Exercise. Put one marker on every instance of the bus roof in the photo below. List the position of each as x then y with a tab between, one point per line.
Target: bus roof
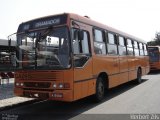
82	19
100	25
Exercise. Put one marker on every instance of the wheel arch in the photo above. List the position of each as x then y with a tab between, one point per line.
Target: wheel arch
139	68
105	78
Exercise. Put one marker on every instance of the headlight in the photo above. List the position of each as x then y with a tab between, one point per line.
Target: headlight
22	84
60	85
54	85
17	84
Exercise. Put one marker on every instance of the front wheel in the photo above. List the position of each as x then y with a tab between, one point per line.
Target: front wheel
100	90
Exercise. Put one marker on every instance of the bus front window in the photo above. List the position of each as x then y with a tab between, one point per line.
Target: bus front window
47	49
153	54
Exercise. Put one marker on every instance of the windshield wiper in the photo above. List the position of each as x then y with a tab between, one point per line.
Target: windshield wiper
43	35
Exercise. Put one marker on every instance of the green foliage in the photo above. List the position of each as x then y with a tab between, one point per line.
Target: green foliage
155	41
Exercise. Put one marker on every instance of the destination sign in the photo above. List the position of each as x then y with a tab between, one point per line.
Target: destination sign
47	22
43	22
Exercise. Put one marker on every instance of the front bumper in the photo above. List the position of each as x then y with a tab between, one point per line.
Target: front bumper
57	95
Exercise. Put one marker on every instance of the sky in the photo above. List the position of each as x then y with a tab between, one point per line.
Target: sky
140	18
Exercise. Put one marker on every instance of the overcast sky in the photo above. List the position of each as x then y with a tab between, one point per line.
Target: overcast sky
140	18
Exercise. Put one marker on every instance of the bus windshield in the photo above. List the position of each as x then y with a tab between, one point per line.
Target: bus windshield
153	54
44	49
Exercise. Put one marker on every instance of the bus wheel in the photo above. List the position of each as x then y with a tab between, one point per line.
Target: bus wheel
100	90
139	76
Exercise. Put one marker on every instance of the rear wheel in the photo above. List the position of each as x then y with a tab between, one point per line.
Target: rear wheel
100	90
139	76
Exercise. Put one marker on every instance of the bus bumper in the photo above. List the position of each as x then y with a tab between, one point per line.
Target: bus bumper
57	95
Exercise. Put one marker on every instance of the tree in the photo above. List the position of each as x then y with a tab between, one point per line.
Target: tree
156	40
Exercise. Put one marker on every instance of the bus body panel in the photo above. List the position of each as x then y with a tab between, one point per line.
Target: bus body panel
83	81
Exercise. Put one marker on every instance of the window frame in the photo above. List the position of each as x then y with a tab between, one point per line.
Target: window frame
99	42
80	42
141	49
136	48
130	47
111	44
121	46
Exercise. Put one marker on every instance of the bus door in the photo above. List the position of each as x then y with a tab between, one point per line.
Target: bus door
82	63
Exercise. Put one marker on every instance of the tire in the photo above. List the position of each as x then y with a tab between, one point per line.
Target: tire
139	76
100	90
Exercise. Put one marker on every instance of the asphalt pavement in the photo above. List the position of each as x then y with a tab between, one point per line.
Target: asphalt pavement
122	102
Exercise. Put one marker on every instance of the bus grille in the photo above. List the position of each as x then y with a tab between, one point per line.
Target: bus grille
39	75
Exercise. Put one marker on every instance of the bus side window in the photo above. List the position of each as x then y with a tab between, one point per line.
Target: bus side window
141	49
129	47
81	48
145	49
99	44
136	49
112	44
121	46
75	41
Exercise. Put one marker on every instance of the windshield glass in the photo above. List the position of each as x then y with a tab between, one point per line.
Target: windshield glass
45	49
153	54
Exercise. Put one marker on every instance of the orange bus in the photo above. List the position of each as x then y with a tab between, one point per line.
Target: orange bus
154	57
67	57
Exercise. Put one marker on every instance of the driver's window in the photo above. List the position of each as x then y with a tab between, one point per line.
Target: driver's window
76	42
80	48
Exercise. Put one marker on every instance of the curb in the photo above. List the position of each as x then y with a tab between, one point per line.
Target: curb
18	105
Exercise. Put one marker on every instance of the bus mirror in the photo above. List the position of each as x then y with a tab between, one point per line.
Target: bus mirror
80	35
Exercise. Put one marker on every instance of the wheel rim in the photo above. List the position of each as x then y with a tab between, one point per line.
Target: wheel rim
139	76
100	90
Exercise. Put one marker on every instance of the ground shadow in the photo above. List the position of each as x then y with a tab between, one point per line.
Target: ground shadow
154	72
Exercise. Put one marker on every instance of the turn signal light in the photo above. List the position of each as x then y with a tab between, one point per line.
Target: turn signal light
19	84
61	85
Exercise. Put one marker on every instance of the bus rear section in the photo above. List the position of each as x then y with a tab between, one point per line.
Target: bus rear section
154	57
